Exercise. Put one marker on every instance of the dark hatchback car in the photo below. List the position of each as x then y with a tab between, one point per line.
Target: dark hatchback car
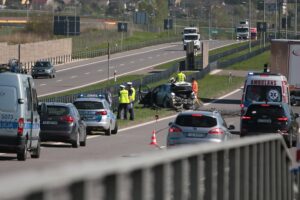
61	122
270	117
44	69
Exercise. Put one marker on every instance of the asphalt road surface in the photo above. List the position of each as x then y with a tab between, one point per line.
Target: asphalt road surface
86	72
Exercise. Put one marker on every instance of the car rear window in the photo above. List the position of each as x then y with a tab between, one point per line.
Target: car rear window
57	110
196	121
263	93
268	110
88	105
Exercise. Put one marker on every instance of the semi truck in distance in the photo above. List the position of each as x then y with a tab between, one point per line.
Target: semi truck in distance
285	59
242	30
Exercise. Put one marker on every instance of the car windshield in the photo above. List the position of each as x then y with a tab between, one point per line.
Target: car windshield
57	110
265	110
88	105
242	30
189	31
263	93
41	64
191	37
196	121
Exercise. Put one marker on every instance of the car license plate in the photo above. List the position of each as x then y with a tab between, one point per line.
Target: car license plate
50	122
195	134
267	121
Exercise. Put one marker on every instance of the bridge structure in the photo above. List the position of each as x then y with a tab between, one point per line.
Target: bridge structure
254	168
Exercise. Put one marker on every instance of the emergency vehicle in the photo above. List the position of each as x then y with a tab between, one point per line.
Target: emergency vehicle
264	87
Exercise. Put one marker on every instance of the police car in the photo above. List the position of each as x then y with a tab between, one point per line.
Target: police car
95	110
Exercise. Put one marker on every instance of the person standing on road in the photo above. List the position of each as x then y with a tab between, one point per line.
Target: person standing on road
131	95
195	90
123	102
180	76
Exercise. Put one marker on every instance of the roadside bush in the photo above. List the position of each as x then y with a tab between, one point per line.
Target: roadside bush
40	25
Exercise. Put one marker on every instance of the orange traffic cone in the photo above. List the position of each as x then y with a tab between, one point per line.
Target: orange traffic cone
153	138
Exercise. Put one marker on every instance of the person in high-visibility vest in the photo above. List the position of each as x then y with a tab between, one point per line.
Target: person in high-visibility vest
180	76
123	102
131	95
195	90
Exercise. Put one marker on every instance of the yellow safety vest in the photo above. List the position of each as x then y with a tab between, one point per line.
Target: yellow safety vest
132	97
123	97
180	77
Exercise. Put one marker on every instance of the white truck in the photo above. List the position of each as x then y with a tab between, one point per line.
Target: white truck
285	59
195	37
242	30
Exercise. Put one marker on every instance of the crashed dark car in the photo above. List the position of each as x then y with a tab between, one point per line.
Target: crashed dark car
177	95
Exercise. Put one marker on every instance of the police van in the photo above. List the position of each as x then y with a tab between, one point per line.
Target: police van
264	87
19	119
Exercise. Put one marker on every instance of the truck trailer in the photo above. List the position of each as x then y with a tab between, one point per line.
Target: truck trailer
285	59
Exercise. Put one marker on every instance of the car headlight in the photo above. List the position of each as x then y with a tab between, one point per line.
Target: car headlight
48	70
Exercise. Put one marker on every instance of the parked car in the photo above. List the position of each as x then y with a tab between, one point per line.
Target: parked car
97	113
178	96
43	68
271	117
61	122
198	127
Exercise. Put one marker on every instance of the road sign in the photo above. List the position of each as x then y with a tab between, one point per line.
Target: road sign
122	27
214	31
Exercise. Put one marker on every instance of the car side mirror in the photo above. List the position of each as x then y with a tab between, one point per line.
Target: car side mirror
296	115
231	127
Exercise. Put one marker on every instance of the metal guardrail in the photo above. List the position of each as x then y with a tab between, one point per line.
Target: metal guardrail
255	168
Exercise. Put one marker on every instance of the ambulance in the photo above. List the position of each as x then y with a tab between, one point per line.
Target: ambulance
264	87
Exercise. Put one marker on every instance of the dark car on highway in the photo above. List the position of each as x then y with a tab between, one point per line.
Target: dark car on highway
271	117
199	127
61	122
43	69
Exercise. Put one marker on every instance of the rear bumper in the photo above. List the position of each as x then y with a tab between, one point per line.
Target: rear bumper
57	136
175	142
97	125
11	144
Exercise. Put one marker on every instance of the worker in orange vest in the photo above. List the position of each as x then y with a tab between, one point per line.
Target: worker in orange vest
195	90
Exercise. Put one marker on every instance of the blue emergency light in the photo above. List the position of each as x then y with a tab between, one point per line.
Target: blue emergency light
101	96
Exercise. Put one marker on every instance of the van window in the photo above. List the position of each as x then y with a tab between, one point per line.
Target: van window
35	99
57	110
88	105
196	121
8	99
191	37
263	93
29	100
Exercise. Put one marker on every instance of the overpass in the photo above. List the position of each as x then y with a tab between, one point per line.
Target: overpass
254	168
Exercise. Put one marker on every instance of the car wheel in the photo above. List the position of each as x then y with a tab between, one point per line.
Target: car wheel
75	143
21	156
115	131
83	143
37	151
108	132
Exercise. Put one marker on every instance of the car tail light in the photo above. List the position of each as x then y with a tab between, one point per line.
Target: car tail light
242	105
21	126
264	105
246	118
264	75
282	119
101	112
175	129
67	118
216	131
196	115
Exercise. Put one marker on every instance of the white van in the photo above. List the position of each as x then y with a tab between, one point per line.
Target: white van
19	118
265	87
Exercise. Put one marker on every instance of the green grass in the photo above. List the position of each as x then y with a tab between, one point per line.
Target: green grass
240	53
254	64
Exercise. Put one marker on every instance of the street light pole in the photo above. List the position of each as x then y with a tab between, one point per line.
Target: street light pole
249	25
264	22
296	19
209	23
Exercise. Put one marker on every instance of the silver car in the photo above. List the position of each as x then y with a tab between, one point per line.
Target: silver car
97	113
198	126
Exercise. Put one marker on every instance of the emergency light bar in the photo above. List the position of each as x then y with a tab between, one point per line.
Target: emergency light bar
101	96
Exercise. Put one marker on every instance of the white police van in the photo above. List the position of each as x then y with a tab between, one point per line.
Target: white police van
264	87
19	119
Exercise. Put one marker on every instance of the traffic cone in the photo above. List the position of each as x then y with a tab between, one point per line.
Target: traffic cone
153	138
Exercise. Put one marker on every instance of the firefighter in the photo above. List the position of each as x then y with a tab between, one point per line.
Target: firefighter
131	95
123	102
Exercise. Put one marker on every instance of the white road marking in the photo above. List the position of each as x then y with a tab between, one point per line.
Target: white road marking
92	136
141	59
87	73
130	72
43	84
74	76
132	62
157	55
215	71
122	64
150	57
99	70
59	80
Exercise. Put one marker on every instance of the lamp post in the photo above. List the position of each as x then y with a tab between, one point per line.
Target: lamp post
296	20
249	25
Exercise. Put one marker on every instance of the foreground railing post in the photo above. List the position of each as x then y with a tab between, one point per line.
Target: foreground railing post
180	184
195	176
244	172
273	177
260	174
210	170
160	182
279	183
234	174
267	171
253	172
223	175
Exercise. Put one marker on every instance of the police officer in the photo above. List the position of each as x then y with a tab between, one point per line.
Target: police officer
180	76
123	102
131	95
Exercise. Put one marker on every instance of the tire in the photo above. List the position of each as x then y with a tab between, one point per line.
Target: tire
75	143
108	131
115	131
21	156
37	151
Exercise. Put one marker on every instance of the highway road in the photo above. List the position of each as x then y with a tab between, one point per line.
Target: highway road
86	72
